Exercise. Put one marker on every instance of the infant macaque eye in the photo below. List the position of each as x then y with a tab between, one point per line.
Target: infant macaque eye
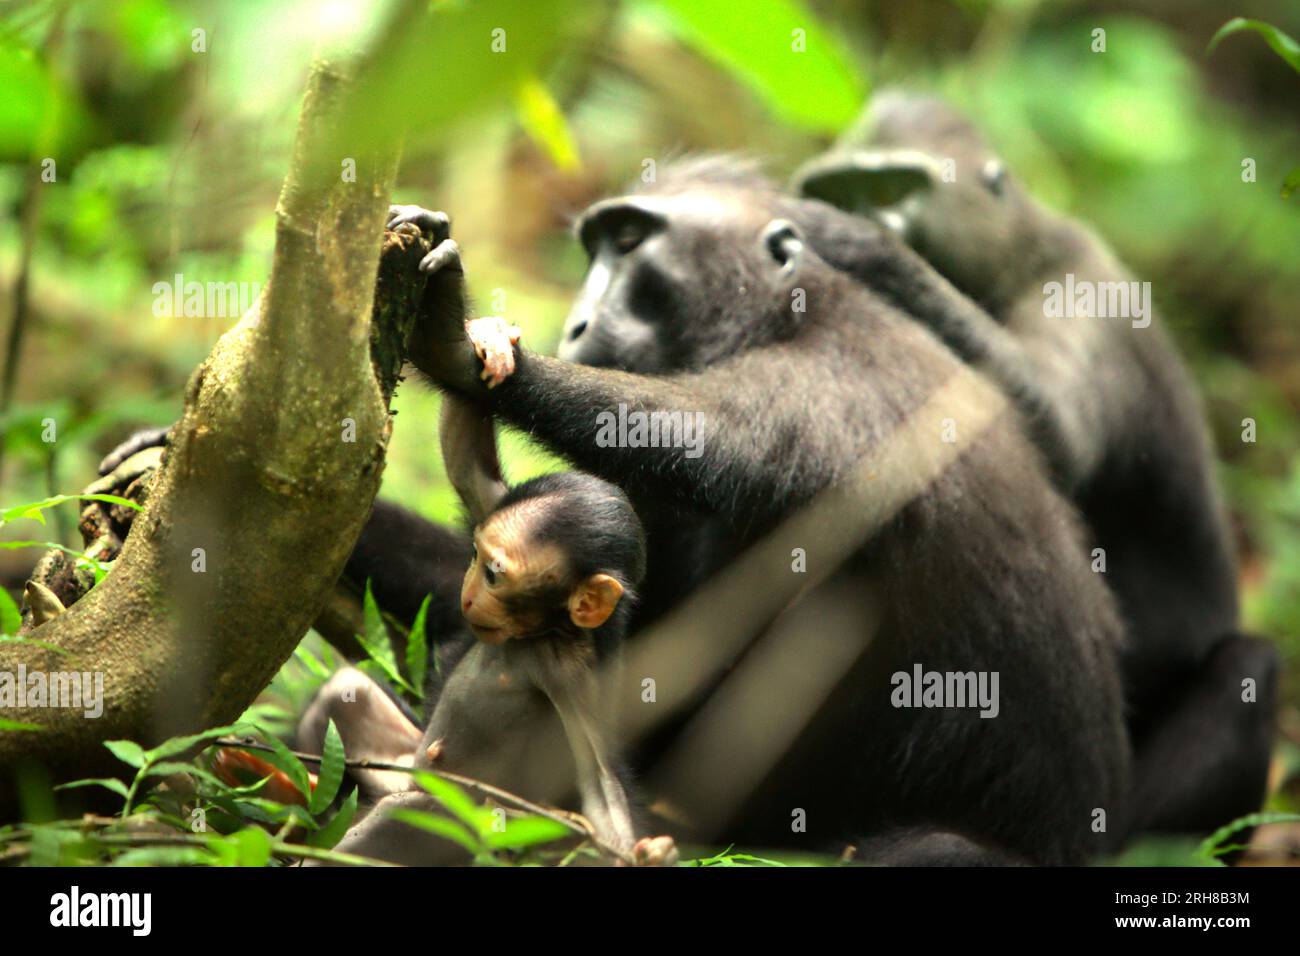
491	570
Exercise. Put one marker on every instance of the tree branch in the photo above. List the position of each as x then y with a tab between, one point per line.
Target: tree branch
265	486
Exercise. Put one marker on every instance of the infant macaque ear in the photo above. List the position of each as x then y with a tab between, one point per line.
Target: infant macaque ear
594	600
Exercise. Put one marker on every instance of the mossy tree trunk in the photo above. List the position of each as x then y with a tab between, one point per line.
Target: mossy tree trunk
266	485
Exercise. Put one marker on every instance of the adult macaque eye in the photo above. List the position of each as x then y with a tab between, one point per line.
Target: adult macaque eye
627	237
489	574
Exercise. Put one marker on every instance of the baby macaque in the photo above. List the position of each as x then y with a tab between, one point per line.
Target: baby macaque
546	597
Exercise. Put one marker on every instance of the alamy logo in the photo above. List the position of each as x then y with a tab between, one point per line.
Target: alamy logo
73	689
103	909
209	300
1081	298
651	430
957	689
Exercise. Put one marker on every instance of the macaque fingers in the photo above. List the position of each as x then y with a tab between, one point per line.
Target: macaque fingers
494	340
437	224
445	255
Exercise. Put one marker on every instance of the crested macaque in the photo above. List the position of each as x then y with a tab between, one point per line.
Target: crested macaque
1114	410
704	296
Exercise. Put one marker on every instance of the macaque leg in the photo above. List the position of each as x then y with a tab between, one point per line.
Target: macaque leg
371	725
380	837
604	798
1205	761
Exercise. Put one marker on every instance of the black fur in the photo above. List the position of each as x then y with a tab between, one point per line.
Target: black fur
982	570
1113	408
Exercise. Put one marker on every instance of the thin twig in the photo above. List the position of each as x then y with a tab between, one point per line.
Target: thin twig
186	839
567	818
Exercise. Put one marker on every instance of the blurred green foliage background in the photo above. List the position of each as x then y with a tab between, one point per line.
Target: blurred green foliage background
169	161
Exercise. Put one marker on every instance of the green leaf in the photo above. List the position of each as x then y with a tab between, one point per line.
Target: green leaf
331	770
282	758
178	745
11	618
329	835
168	767
311	662
35	509
253	846
1282	45
781	51
375	642
451	796
525	832
417	648
165	856
127	751
441	826
47	846
727	858
483	50
1291	183
270	811
108	783
7	724
1210	846
27	641
544	122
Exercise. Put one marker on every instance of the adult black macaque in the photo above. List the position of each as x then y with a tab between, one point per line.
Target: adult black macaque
1114	410
693	304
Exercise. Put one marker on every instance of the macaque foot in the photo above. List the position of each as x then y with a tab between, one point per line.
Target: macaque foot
655	851
494	342
446	252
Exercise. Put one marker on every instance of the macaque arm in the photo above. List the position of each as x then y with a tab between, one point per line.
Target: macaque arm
885	264
604	799
469	443
469	452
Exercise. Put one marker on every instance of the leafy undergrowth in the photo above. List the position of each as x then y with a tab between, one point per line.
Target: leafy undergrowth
176	808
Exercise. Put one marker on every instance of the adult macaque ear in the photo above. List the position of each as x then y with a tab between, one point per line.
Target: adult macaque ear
784	243
594	600
864	182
